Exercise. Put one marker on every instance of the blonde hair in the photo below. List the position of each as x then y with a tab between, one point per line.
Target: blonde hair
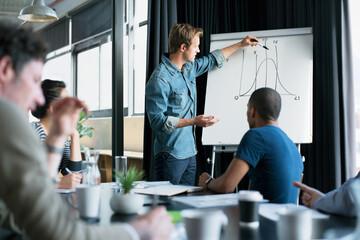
182	33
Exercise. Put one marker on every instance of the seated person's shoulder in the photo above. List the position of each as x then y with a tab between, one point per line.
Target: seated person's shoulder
13	120
9	110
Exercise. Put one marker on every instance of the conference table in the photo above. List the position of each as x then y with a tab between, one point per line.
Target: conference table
266	230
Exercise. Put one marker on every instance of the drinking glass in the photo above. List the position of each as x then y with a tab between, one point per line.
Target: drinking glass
90	167
120	167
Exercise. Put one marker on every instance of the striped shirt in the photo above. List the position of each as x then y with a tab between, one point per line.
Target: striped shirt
65	160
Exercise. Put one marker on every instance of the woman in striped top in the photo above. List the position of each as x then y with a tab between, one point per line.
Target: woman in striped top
71	159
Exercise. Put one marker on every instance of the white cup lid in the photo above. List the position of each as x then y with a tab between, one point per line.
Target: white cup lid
250	195
200	213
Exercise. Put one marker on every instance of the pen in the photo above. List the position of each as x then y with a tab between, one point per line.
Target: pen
211	118
71	172
260	44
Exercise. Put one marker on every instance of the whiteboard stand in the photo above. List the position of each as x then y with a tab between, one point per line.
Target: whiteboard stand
212	162
220	149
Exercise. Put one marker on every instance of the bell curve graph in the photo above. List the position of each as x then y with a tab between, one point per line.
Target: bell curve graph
260	64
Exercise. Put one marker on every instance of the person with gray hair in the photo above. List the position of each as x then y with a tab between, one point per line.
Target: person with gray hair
342	200
29	204
265	152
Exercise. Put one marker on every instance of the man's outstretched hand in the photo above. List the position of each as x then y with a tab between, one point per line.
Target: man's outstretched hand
310	195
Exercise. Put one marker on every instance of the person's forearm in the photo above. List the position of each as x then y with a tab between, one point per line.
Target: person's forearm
231	49
227	182
53	158
75	153
220	186
185	122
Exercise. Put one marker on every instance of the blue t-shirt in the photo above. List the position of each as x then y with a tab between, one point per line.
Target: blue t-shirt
275	162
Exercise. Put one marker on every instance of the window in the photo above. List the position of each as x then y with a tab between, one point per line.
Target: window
85	64
106	76
354	7
88	78
89	75
135	43
94	77
59	68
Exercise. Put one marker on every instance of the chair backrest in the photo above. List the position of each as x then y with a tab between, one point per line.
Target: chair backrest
301	180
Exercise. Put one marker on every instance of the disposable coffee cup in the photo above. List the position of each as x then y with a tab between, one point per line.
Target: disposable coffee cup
201	224
294	224
249	208
88	202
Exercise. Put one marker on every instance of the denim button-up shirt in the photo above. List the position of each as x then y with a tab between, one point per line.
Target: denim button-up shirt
170	96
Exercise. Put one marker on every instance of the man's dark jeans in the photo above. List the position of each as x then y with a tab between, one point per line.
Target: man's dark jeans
177	171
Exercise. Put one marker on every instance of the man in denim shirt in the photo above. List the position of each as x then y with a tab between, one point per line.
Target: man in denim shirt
171	102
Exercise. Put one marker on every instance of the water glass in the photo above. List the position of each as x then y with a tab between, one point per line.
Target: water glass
120	167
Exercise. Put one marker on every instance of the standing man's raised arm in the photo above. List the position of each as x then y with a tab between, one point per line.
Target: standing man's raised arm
227	51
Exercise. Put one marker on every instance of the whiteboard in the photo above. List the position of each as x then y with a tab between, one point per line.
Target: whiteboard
286	67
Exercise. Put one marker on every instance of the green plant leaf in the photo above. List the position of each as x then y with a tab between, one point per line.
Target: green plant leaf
84	130
132	175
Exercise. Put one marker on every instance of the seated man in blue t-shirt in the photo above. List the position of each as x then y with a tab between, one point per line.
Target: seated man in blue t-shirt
265	151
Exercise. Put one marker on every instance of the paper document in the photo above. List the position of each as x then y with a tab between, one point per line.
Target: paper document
146	184
271	211
167	190
217	200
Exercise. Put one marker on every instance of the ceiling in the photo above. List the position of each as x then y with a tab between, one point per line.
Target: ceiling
9	9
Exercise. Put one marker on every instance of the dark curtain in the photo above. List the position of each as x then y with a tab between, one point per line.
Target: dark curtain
162	15
92	19
57	34
329	159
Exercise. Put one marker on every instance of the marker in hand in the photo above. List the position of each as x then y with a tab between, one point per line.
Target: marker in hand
261	45
210	118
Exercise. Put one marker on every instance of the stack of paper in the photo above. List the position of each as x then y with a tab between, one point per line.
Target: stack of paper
167	190
206	201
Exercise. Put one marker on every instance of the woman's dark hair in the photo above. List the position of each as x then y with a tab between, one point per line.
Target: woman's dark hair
52	90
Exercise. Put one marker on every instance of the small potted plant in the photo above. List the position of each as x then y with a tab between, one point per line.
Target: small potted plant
127	203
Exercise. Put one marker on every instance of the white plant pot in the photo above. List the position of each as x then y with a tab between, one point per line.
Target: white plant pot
126	203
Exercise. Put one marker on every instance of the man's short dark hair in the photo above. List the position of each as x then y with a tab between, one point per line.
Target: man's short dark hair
21	45
267	102
52	91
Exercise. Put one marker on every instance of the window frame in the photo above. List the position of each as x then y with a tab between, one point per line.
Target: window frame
83	46
96	41
130	32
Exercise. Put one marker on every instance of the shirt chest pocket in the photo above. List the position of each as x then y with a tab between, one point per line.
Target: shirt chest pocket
180	97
